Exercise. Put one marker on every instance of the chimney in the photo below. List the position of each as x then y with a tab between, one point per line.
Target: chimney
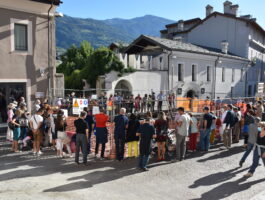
227	7
224	47
234	9
181	25
209	10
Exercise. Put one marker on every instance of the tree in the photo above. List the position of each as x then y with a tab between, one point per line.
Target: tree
86	63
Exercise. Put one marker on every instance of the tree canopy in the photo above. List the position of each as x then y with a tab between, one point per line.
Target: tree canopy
86	63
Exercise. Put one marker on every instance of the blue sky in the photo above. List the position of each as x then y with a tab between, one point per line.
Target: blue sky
171	9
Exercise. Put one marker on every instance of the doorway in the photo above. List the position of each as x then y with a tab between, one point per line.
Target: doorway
123	88
191	94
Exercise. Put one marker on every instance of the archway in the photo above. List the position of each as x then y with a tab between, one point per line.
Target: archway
191	94
123	88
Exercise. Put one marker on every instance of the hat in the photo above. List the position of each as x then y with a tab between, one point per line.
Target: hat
11	106
23	104
15	103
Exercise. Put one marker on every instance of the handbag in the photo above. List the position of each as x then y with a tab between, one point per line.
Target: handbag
11	126
61	135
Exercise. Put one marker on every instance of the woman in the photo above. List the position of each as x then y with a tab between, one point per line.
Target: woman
16	131
194	132
62	138
161	126
24	124
101	132
131	137
10	115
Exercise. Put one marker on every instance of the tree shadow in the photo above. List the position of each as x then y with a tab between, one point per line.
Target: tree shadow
223	154
217	178
227	189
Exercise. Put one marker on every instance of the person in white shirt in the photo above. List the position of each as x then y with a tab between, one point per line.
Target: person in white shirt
35	124
222	128
183	131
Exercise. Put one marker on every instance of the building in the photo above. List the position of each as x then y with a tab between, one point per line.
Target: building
186	69
27	49
242	35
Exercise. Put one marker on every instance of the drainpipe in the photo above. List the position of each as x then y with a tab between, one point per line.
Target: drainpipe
168	63
49	52
214	77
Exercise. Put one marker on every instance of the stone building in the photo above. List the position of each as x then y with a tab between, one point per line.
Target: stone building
27	49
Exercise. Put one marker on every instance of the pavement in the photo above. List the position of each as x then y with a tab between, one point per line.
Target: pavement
201	176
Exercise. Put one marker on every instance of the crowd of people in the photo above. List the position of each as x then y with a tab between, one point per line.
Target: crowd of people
140	130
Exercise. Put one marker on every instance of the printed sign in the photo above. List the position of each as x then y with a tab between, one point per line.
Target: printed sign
95	110
79	105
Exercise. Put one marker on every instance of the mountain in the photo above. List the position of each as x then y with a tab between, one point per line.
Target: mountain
70	30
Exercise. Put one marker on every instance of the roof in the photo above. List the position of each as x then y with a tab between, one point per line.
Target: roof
185	22
172	45
55	2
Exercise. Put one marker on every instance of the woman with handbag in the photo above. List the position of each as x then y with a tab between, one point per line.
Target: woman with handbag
62	138
10	114
161	126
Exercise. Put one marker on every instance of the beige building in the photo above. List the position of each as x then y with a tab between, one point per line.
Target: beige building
27	49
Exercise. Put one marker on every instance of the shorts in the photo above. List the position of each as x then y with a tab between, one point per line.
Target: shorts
16	134
54	135
37	136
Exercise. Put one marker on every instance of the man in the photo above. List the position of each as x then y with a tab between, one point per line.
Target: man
36	123
121	124
206	129
153	97
183	131
160	98
81	137
90	122
259	110
146	133
229	122
237	126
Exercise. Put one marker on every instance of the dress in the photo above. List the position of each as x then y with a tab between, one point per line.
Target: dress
146	132
161	127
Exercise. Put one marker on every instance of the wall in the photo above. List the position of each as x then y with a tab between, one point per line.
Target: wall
19	66
223	89
234	31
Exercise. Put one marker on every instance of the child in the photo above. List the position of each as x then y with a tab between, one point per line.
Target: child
146	133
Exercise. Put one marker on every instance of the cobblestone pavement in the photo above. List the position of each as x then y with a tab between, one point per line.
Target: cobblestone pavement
210	176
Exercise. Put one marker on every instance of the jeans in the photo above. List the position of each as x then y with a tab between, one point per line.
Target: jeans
103	145
227	137
247	152
23	133
205	139
143	161
180	147
256	158
119	142
81	142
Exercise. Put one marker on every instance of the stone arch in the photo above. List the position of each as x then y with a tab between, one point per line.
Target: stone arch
123	87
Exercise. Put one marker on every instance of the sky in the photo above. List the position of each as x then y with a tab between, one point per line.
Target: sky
170	9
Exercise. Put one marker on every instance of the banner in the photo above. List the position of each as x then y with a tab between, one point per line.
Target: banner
79	105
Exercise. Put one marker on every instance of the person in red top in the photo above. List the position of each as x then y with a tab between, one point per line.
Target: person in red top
101	132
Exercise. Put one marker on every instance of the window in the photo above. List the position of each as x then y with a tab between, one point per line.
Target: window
194	72
21	37
233	75
208	73
223	74
249	90
241	75
180	72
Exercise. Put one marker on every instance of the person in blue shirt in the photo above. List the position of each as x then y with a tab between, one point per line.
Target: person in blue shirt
121	124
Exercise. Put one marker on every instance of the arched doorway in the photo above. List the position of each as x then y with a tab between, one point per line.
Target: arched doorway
123	88
191	94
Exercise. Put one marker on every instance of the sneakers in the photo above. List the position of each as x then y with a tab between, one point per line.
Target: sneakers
34	153
249	174
40	153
